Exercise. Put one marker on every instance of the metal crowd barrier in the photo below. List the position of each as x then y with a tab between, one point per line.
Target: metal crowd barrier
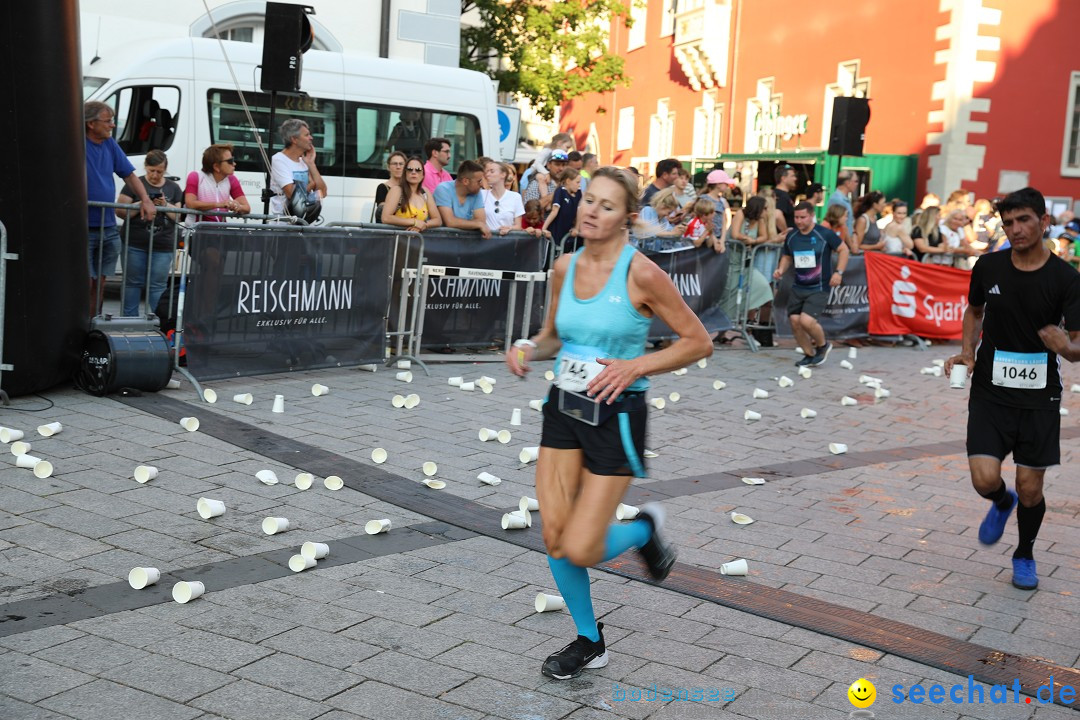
4	257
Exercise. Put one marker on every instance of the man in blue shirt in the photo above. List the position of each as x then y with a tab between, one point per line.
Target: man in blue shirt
809	247
459	201
847	182
103	158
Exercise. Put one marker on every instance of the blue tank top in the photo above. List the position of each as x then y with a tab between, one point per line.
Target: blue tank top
606	325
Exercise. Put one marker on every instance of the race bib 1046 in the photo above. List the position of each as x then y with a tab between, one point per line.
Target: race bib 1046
1022	371
577	367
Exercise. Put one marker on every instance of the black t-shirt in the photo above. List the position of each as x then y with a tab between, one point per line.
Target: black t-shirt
647	195
564	221
164	227
1012	361
785	206
381	192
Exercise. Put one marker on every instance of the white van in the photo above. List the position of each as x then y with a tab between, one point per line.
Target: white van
178	96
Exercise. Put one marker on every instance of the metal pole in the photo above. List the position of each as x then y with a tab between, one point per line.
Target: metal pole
4	257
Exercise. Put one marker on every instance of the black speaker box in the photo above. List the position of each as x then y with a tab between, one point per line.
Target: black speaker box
287	36
850	116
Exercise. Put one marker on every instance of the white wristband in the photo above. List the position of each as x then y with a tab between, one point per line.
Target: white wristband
524	342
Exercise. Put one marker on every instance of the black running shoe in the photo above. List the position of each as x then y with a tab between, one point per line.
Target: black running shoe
806	360
821	354
577	656
658	554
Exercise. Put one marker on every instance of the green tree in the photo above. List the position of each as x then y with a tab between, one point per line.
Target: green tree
548	51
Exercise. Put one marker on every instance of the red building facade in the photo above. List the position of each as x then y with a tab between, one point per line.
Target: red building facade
984	92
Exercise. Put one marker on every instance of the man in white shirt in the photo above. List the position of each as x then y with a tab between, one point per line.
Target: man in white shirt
295	164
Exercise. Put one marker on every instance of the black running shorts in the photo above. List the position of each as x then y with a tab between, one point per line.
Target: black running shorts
807	301
603	445
1032	436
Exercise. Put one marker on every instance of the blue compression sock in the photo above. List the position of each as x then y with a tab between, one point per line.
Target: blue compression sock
621	538
573	583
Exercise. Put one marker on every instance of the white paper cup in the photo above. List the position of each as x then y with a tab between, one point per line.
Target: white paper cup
958	376
275	525
145	473
398	401
736	567
760	394
837	448
485	387
279	404
938	362
333	482
846	365
304	480
299	563
1075	388
20	447
430	468
935	371
456	381
404	364
1063	411
488	434
852	353
513	521
10	434
267	477
751	415
209	395
42	468
319	390
625	512
848	400
411	401
515	417
680	371
404	376
209	508
378	456
467	386
524	515
674	397
658	403
488	379
528	504
718	385
26	461
784	381
243	398
141	577
503	436
880	392
549	376
184	592
753	481
374	527
489	479
529	454
649	453
173	385
703	363
805	373
537	405
191	424
740	519
370	367
807	413
548	603
49	430
433	483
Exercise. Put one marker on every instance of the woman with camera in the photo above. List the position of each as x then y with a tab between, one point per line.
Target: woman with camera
146	266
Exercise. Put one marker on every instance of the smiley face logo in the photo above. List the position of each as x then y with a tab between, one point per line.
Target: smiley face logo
862	693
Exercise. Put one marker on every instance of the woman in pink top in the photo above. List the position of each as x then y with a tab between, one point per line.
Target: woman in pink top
216	187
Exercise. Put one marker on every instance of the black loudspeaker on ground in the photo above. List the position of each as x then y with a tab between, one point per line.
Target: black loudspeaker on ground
287	36
850	117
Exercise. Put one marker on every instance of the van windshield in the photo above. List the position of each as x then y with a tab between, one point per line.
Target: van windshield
90	86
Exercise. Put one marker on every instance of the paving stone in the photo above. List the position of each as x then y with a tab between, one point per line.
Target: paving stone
13	709
394	608
106	699
679	629
57	543
91	654
486	632
244	700
32	679
404	586
411	673
670	652
420	642
209	650
169	678
739	671
239	625
765	705
507	701
371	699
298	676
331	649
34	640
466	579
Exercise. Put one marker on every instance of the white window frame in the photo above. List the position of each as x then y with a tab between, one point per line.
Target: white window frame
624	139
662	131
639	13
708	124
668	9
1072	120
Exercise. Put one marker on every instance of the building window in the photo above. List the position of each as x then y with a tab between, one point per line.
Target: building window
667	17
661	131
238	34
1070	150
638	13
848	84
625	140
707	122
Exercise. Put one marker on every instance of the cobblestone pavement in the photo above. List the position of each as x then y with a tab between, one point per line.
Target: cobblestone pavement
426	623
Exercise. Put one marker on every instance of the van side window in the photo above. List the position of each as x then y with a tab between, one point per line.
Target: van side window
374	131
229	124
145	117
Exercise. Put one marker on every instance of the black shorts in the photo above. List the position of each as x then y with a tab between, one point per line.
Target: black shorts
1032	436
603	444
807	301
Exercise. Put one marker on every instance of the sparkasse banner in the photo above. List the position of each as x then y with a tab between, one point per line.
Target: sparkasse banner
910	298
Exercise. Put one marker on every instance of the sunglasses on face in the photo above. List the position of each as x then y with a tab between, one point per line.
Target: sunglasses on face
414	169
231	161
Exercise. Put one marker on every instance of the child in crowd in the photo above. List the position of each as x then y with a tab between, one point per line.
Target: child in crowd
561	141
532	221
699	230
563	216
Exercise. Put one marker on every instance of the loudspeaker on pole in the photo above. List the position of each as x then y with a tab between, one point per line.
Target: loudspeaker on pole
850	117
287	35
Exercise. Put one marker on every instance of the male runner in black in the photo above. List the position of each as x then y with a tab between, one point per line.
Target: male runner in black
1018	300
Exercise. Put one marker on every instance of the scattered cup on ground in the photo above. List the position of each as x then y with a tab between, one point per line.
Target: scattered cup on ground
847	400
304	480
209	395
658	403
279	404
184	591
244	398
209	508
515	417
374	527
487	434
333	482
807	413
456	381
267	477
740	519
625	512
411	401
49	430
805	373
852	353
489	479
760	394
846	365
736	567
190	424
319	390
404	376
784	381
275	525
503	436
753	481
145	473
537	405
378	456
529	504
299	563
548	603
513	521
141	577
837	448
398	401
404	364
718	385
467	386
549	376
20	447
430	468
751	415
10	434
172	385
529	454
433	483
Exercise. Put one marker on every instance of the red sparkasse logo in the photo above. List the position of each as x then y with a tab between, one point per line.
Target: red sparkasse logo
909	298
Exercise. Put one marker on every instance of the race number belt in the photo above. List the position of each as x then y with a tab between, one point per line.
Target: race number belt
1021	371
584	408
577	367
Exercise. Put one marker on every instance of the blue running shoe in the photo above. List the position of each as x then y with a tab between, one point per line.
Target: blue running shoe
1024	576
993	525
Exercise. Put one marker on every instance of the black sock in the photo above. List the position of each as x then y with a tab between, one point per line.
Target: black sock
1028	520
999	497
